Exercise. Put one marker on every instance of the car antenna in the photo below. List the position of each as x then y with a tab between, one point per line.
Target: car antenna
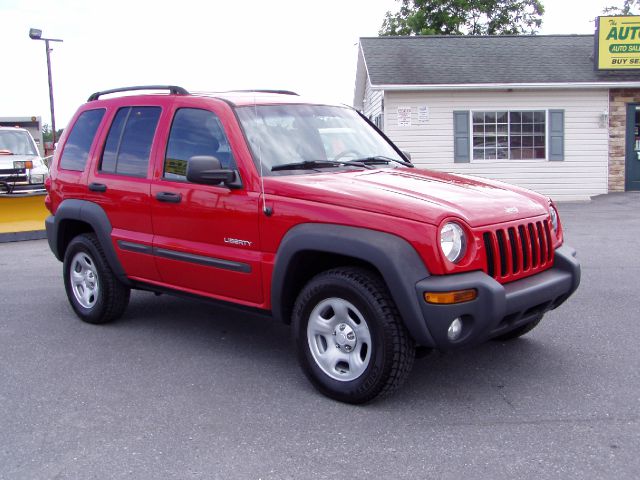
267	210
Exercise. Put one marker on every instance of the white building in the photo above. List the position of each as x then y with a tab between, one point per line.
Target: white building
528	110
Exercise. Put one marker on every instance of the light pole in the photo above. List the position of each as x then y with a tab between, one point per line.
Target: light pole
36	34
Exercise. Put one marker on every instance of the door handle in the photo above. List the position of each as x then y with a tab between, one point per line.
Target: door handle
97	187
169	197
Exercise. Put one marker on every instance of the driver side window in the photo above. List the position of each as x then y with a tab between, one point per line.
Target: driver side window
195	132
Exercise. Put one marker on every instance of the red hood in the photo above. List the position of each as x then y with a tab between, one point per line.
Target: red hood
420	195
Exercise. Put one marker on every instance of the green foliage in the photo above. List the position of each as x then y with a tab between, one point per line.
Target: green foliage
627	8
465	17
47	133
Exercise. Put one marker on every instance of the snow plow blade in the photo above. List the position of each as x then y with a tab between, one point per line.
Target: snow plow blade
22	217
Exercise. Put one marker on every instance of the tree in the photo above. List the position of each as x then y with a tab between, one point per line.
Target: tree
465	17
47	133
626	8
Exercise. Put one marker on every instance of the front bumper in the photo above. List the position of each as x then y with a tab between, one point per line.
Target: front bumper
18	190
13	185
498	308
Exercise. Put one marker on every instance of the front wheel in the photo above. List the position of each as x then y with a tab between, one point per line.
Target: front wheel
351	342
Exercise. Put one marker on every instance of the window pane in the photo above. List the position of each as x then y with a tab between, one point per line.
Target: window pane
76	149
478	141
539	153
490	153
527	154
539	128
516	153
503	141
490	117
490	128
195	132
502	117
502	128
478	153
516	128
515	117
538	117
490	141
527	141
527	117
478	117
527	128
135	146
503	153
108	163
538	141
516	142
478	129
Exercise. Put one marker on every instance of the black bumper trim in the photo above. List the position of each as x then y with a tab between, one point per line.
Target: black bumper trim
498	308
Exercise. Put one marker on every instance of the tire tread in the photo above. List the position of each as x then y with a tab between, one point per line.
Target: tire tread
115	294
398	339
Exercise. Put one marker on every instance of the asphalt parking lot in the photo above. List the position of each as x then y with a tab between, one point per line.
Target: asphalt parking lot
183	389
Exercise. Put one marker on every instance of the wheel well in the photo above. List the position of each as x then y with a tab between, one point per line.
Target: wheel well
68	230
307	264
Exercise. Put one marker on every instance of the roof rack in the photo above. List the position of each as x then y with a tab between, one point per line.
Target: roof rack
281	92
172	89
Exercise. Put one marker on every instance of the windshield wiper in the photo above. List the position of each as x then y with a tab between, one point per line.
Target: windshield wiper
313	164
378	160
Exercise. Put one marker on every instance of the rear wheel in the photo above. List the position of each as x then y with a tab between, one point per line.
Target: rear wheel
94	292
351	342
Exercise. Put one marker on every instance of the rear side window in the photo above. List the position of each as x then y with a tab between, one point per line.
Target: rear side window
128	145
195	132
76	150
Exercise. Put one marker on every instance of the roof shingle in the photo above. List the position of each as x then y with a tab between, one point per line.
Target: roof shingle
505	59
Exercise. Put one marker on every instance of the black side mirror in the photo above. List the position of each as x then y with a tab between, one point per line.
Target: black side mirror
407	155
206	170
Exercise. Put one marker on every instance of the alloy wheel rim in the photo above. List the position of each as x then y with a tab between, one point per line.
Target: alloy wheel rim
339	339
84	280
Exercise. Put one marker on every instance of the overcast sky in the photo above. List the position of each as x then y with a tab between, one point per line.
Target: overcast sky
308	47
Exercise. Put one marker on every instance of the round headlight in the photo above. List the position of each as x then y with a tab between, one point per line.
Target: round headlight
554	218
452	241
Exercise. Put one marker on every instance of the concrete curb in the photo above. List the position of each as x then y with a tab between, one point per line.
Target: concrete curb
21	236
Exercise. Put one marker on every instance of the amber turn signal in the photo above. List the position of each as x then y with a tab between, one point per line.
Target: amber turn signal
448	298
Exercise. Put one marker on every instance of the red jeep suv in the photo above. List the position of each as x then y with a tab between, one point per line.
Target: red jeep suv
305	211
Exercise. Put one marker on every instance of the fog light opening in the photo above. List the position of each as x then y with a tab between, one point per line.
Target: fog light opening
455	329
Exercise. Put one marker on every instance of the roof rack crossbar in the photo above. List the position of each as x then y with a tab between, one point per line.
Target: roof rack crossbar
261	90
173	89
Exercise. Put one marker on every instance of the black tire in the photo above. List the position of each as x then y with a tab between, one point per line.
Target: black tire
518	332
107	298
383	365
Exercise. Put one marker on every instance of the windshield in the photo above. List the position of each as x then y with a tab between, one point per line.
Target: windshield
16	142
286	134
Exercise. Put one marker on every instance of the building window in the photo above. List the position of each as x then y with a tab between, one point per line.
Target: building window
509	135
378	122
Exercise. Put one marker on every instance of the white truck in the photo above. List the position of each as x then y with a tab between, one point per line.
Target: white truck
22	169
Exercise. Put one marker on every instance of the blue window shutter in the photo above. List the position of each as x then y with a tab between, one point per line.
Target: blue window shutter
461	137
556	135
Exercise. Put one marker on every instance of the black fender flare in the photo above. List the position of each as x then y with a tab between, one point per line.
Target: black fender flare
397	261
92	214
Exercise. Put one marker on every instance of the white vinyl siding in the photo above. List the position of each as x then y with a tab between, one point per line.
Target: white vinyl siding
582	174
373	102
